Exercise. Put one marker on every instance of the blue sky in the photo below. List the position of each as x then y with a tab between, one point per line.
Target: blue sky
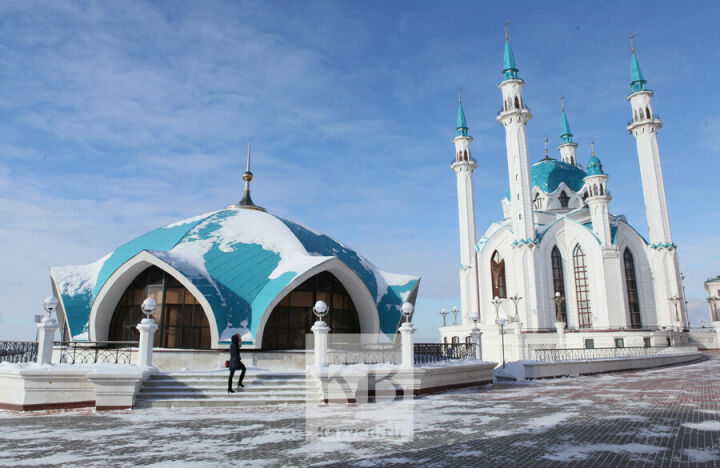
118	117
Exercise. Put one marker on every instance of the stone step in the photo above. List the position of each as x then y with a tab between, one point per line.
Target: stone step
221	387
222	394
221	374
220	381
221	402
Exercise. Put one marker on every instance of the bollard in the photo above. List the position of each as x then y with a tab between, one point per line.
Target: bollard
321	330
46	339
147	328
408	348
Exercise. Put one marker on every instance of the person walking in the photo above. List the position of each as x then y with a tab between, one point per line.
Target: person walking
235	362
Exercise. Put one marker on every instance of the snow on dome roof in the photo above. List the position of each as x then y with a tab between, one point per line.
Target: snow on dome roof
240	260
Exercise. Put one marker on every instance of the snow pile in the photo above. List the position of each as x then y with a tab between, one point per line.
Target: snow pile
243	331
77	279
710	425
512	371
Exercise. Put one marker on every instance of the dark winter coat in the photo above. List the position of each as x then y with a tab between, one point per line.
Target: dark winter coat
234	355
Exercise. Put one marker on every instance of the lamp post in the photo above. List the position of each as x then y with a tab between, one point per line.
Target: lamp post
455	312
559	299
515	299
148	306
502	321
443	314
406	332
475	336
320	330
46	332
50	304
496	302
713	302
147	328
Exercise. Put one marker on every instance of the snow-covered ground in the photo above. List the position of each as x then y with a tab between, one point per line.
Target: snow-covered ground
668	416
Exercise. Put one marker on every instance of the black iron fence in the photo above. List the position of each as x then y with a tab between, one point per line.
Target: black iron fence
18	351
428	353
91	352
576	354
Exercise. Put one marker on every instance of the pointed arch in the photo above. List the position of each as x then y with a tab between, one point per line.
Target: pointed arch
632	289
647	112
582	288
601	189
497	273
558	283
517	103
564	199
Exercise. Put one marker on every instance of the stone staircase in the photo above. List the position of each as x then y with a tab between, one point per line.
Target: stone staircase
205	389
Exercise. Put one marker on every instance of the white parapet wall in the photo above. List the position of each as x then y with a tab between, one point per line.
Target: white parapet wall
359	383
526	370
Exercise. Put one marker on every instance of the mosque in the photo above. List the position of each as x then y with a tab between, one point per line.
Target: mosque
561	271
236	270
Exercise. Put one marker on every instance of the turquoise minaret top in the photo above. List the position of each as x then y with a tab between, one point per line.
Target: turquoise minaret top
509	68
462	128
638	82
566	135
594	166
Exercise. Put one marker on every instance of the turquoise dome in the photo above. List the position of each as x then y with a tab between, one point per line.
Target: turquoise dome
548	173
594	166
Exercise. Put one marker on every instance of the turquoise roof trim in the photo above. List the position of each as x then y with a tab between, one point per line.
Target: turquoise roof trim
510	71
594	166
461	126
566	135
637	82
547	175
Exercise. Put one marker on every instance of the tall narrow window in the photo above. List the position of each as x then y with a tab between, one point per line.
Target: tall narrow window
564	199
582	289
632	292
517	103
558	282
497	270
536	201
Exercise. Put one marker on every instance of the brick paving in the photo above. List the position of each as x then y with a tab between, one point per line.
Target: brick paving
661	417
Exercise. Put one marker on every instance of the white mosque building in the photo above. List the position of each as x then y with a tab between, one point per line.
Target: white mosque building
560	270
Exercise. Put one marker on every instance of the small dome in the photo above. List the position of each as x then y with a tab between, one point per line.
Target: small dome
594	166
547	175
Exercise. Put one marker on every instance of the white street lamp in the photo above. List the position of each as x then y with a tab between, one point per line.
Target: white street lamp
50	304
675	301
559	299
148	306
455	312
515	299
443	314
407	310
320	309
713	302
502	321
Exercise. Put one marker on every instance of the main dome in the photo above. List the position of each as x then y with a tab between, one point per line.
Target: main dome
240	261
547	174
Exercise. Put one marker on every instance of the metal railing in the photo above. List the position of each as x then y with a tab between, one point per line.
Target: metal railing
18	351
91	352
584	354
428	353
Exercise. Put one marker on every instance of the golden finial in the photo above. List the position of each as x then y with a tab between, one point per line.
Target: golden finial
247	176
506	30
562	103
592	147
459	95
632	44
546	150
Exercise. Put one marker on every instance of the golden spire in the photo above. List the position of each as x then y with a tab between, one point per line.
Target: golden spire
459	95
546	150
592	147
562	103
506	30
632	44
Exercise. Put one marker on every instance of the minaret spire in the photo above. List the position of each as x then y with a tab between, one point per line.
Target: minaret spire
546	150
637	82
461	126
509	69
247	177
567	145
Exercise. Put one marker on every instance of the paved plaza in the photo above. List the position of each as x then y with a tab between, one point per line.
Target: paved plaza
661	417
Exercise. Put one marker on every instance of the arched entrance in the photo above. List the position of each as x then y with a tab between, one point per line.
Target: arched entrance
292	317
181	319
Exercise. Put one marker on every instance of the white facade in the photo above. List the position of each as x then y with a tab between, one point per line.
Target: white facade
559	236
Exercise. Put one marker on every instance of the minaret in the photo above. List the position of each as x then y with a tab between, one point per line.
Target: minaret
644	127
464	166
567	146
666	269
514	116
598	199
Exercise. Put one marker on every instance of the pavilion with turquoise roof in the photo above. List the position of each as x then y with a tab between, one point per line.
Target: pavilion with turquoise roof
239	270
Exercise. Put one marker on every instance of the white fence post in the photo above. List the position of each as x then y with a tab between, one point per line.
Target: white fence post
46	339
475	338
321	330
408	347
146	327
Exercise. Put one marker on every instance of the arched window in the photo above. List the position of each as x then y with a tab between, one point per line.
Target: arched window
517	103
564	199
558	281
632	291
647	112
181	319
291	319
466	155
537	201
582	288
585	197
601	189
595	190
504	105
497	271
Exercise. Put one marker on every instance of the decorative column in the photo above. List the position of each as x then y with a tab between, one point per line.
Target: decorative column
46	339
475	335
147	328
408	347
321	330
